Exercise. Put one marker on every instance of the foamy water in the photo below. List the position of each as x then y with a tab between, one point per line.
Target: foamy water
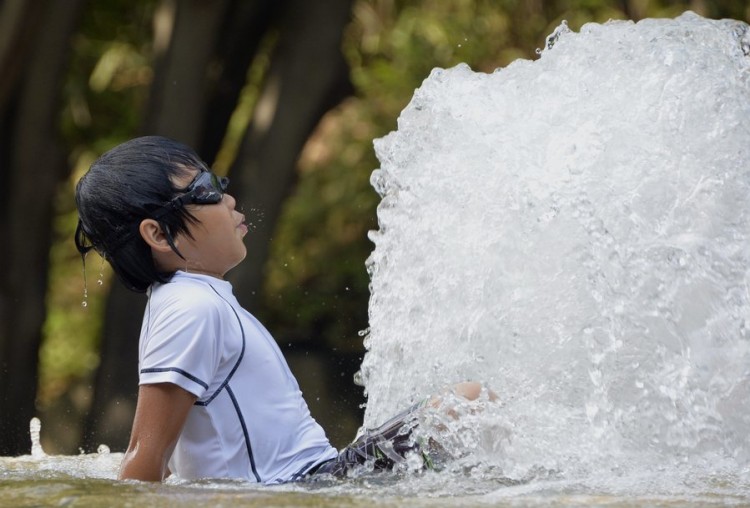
574	231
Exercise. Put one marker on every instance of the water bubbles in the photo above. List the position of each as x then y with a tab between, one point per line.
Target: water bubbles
35	427
100	279
591	411
742	33
573	230
596	377
556	34
413	462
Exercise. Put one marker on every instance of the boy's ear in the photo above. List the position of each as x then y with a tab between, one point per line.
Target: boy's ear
154	236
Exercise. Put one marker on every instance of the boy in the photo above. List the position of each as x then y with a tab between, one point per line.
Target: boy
216	398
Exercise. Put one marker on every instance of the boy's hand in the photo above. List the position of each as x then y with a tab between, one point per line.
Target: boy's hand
159	417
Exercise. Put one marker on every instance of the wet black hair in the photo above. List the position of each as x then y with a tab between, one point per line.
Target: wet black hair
127	184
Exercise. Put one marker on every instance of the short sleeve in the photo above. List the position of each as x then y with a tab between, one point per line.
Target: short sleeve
180	342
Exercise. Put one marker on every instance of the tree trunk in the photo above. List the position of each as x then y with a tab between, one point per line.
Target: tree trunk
177	95
37	165
19	20
17	28
18	25
308	76
245	25
178	109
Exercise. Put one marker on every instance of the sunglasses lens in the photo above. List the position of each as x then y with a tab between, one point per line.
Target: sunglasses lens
206	189
209	188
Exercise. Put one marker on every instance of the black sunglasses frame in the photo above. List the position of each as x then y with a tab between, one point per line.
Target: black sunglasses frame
206	189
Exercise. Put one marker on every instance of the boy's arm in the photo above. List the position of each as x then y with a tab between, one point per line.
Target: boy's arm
159	416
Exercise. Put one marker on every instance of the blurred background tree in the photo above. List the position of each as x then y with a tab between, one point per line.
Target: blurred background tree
283	96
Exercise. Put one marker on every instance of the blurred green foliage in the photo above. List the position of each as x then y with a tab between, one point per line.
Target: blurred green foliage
104	94
316	290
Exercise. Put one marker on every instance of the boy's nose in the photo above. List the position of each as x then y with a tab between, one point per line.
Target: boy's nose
230	201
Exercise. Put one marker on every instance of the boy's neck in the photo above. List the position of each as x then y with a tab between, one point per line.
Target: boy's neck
202	272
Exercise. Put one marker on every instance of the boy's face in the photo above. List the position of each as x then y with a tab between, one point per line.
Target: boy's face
216	246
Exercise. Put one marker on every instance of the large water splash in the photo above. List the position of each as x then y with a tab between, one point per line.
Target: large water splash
575	232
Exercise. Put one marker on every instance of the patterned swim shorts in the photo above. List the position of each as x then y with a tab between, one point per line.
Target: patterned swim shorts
379	449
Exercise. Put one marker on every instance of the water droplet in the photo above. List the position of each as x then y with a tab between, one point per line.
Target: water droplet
100	282
84	303
35	427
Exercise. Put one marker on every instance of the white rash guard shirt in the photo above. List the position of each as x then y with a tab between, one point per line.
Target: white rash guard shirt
250	420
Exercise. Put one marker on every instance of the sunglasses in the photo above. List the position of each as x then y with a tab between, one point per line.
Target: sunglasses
205	189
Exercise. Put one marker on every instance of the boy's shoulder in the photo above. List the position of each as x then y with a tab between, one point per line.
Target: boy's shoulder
187	293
